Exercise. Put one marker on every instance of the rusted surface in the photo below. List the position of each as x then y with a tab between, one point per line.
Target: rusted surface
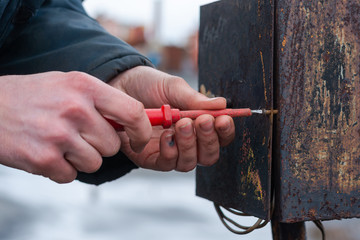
235	61
318	97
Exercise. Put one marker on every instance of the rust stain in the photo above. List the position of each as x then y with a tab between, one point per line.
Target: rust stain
283	43
252	177
320	95
207	93
328	95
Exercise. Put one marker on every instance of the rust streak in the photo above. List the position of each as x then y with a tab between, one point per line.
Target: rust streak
264	76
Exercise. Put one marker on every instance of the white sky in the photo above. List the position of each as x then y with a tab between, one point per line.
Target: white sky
179	17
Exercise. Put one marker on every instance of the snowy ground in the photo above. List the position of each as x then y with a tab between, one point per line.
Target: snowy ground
141	205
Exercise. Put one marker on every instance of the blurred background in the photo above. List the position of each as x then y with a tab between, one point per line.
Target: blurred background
144	204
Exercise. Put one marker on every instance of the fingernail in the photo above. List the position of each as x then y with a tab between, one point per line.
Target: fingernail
170	139
213	99
225	127
186	129
207	126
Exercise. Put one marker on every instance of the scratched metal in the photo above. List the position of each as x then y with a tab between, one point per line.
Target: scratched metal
235	61
318	95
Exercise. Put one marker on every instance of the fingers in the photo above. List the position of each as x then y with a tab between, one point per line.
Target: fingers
50	162
198	142
83	156
61	164
189	144
168	156
127	111
186	143
225	128
155	88
94	129
208	141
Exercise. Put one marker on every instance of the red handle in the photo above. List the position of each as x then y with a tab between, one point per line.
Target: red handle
165	116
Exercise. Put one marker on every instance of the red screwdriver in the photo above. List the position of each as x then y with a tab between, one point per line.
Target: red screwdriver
166	116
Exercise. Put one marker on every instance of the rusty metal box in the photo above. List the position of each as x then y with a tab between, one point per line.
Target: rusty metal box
302	58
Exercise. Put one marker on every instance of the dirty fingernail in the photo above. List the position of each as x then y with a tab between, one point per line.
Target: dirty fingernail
170	139
186	129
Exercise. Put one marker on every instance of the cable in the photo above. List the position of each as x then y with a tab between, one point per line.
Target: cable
245	229
319	224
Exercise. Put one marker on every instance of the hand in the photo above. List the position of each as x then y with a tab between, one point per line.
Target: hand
52	124
189	142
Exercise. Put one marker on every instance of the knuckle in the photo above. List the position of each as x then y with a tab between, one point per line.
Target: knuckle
135	111
44	163
59	135
211	142
64	177
75	77
111	150
93	165
79	81
177	80
74	108
172	81
187	146
112	147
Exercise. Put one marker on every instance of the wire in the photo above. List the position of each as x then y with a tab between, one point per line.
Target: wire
245	229
319	224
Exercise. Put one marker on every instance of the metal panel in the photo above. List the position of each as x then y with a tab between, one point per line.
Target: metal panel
235	61
318	92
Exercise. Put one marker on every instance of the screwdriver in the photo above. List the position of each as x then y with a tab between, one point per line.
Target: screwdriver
166	116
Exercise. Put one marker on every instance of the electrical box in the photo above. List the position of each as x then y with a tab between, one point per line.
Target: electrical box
303	59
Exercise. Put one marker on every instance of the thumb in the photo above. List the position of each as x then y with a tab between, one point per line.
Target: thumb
181	95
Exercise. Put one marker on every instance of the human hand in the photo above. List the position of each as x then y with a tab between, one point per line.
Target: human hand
189	142
52	124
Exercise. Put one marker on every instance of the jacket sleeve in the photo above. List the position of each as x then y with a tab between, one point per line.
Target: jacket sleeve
62	37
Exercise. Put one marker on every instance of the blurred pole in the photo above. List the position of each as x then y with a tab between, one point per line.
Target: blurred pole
157	20
154	40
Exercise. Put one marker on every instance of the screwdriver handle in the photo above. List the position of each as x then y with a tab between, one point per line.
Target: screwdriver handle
166	116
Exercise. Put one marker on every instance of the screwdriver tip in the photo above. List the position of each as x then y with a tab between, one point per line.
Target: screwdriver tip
257	111
265	112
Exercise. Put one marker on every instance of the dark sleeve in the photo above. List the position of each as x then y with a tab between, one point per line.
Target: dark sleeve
63	37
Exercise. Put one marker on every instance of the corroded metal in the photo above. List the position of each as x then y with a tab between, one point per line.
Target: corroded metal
235	61
318	97
316	171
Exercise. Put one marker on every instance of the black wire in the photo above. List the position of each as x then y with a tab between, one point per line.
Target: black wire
245	229
319	224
